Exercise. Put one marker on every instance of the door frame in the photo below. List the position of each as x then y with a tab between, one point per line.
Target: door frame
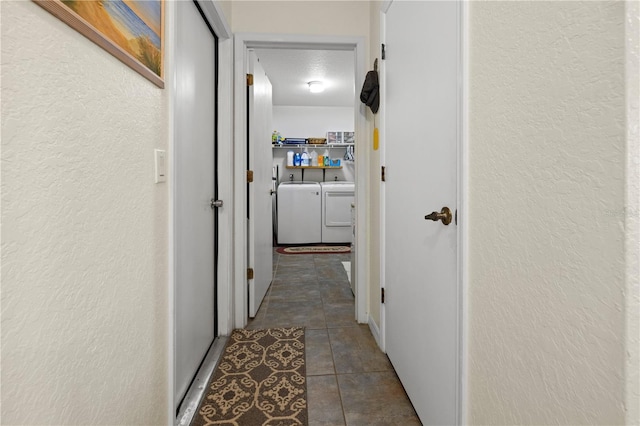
217	20
462	200
244	41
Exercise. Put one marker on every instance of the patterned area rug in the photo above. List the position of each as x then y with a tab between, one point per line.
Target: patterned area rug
260	380
313	249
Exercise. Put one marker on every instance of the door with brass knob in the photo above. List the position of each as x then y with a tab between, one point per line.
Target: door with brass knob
444	216
420	270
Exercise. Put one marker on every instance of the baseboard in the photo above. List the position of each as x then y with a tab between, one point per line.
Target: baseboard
375	331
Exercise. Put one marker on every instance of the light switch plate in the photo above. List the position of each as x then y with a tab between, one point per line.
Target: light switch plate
161	165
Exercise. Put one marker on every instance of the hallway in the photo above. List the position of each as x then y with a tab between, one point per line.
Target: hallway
349	380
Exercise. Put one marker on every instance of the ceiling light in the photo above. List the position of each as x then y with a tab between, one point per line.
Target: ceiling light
316	86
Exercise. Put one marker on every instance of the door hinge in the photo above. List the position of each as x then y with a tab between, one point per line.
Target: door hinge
249	273
249	176
382	177
249	79
382	295
383	54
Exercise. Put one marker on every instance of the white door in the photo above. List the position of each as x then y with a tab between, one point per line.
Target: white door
195	308
420	142
260	256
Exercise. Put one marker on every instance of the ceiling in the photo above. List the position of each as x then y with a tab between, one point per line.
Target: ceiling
289	71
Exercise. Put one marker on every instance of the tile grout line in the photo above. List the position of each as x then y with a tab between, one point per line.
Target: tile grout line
324	314
335	375
333	360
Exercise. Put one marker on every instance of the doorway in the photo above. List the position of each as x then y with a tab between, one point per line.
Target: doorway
280	98
242	44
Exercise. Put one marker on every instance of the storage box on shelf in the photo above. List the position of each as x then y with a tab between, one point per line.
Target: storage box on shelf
316	141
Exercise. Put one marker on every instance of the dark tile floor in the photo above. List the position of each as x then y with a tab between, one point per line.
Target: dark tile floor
349	380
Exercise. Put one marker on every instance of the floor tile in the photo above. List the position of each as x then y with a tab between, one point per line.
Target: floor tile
288	314
339	313
258	322
332	272
359	419
336	291
295	285
355	350
295	292
375	398
325	407
295	260
301	275
337	257
318	351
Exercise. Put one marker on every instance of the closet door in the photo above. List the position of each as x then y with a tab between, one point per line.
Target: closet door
195	186
421	287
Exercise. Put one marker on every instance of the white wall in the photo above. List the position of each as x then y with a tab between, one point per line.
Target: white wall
547	228
632	213
227	9
84	231
309	121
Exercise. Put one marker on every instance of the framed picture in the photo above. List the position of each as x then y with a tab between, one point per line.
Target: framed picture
130	30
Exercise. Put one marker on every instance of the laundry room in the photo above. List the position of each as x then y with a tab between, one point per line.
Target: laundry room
312	144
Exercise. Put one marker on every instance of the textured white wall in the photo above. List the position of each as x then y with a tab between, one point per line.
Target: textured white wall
547	197
84	231
227	10
632	212
340	18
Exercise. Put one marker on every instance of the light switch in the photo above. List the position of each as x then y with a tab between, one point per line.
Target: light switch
161	165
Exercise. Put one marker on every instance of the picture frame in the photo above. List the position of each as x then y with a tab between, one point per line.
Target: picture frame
130	30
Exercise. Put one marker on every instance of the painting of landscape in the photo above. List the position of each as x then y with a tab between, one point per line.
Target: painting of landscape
135	26
131	30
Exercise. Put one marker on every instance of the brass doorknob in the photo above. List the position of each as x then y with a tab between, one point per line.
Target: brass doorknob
444	216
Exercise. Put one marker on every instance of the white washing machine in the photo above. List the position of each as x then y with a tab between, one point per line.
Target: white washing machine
299	213
337	198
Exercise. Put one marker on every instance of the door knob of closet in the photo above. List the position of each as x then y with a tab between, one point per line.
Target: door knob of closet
444	216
